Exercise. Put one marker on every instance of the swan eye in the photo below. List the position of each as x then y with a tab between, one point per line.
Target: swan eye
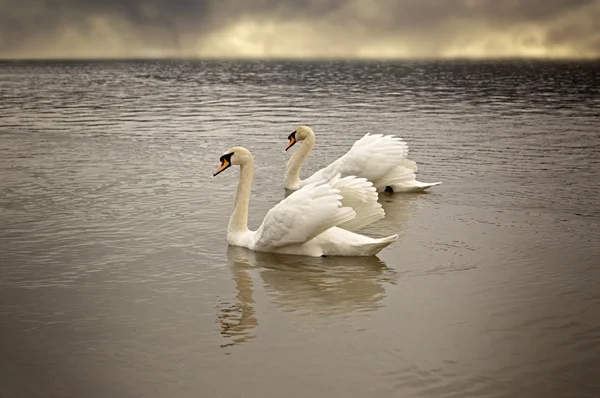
227	157
293	135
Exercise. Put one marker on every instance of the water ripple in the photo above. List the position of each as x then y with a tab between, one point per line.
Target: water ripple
116	273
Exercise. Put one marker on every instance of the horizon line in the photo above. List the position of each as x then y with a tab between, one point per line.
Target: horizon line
299	59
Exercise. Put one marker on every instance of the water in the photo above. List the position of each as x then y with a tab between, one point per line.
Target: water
116	279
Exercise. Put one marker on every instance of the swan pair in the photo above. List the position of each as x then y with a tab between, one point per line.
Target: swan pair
320	218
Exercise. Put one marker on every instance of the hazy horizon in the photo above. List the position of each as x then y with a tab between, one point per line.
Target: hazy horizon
302	59
300	29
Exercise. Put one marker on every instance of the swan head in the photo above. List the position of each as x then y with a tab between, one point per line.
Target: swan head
234	156
300	134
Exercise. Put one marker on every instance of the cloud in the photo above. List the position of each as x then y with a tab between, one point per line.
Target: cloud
299	28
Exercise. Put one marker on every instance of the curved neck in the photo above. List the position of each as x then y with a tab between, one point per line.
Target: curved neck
239	218
292	171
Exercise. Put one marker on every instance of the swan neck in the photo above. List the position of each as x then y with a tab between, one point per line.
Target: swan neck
239	218
292	173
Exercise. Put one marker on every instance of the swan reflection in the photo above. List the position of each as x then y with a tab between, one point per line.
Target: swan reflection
238	319
305	285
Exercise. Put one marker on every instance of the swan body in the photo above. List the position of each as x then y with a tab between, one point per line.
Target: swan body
316	220
379	158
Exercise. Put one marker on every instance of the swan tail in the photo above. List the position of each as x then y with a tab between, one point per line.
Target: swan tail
360	195
371	249
354	245
403	179
398	175
414	186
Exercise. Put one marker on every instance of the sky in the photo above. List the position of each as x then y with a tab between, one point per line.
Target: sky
379	29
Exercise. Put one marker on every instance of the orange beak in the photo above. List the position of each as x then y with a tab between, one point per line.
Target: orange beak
222	167
291	143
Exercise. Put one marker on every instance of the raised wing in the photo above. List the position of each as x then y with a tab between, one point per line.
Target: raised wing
303	215
361	196
371	157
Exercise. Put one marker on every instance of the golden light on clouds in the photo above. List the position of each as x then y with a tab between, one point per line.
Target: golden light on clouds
311	29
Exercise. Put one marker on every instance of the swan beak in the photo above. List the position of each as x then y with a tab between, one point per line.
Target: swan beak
291	143
225	164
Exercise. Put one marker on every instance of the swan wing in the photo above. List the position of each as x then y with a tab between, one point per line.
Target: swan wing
303	215
360	195
371	157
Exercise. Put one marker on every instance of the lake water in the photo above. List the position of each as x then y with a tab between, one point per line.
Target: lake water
116	277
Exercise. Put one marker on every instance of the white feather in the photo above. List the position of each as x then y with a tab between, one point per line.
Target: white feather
303	215
360	195
379	158
307	221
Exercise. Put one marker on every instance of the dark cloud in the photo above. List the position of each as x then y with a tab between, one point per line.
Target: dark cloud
188	27
36	20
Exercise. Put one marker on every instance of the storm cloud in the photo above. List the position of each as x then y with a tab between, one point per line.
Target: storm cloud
299	28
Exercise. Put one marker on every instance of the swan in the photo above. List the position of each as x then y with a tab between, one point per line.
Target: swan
379	158
316	220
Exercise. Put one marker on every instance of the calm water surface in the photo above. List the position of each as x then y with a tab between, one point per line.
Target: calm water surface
117	281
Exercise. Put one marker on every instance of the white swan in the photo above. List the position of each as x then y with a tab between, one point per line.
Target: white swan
379	158
313	221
